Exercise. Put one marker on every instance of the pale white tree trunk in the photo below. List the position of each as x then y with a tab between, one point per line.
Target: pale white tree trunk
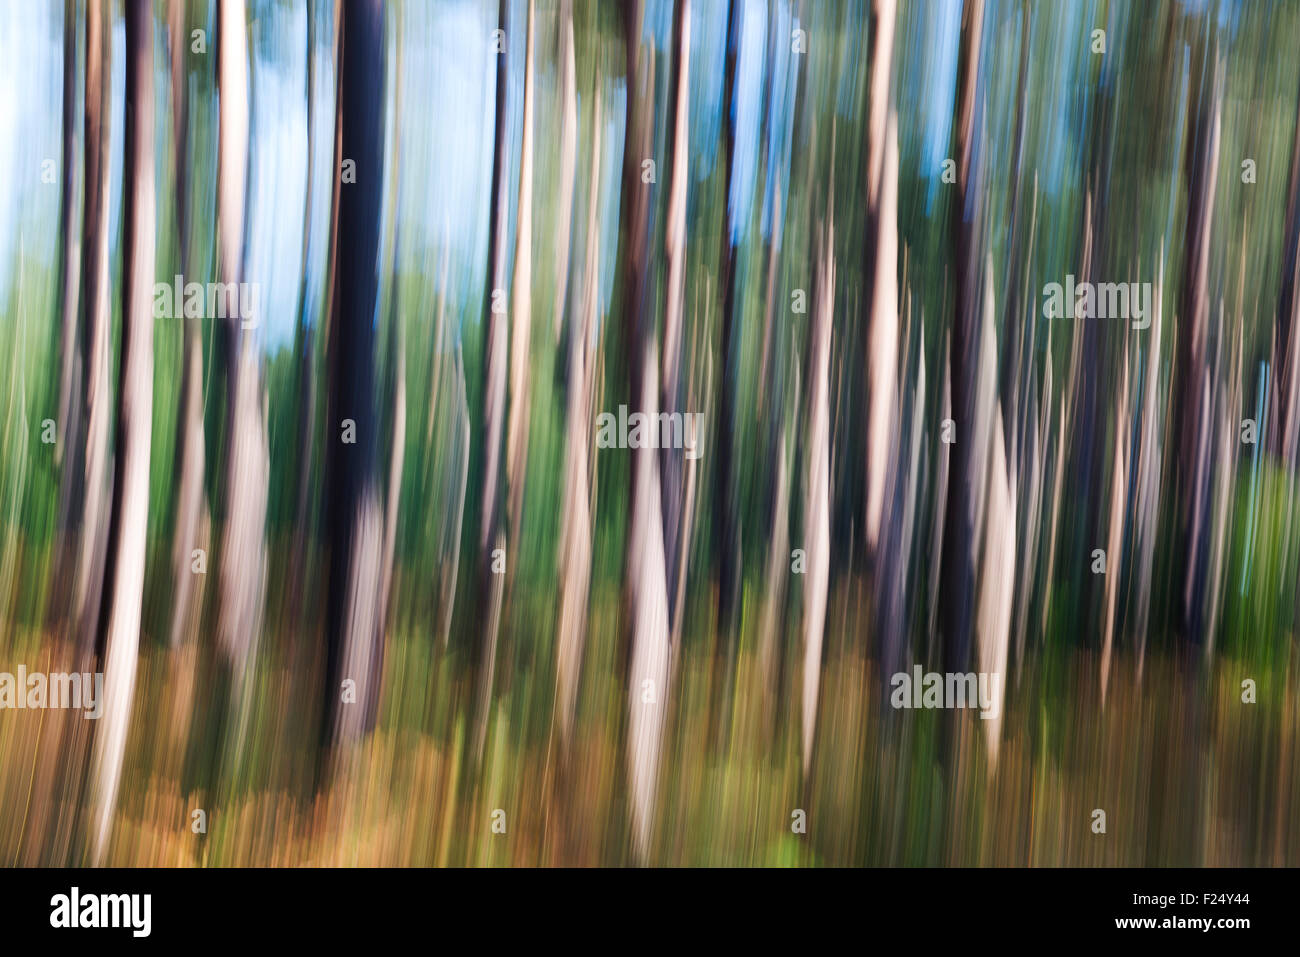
817	519
242	575
648	589
993	507
675	530
135	413
1149	471
882	335
243	560
998	586
646	582
1119	483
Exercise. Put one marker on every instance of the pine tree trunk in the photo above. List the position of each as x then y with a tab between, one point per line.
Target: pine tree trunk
130	515
353	517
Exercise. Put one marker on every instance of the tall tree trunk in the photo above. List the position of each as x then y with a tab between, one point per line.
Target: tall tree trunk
994	512
645	582
120	629
70	249
521	310
817	504
1191	374
882	269
396	353
94	493
957	568
355	651
495	355
54	737
1286	423
189	422
783	400
242	574
50	833
675	532
726	541
575	528
883	433
68	452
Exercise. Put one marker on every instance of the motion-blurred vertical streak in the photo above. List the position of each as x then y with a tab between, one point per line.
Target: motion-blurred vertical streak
241	584
1192	383
396	347
575	528
130	510
489	585
568	160
670	458
957	558
353	521
1286	423
817	504
997	528
70	250
189	420
308	332
882	268
91	495
726	543
521	312
645	583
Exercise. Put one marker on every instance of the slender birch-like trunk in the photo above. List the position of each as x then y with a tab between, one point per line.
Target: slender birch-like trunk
121	626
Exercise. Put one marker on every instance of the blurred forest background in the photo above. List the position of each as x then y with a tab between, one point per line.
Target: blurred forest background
365	588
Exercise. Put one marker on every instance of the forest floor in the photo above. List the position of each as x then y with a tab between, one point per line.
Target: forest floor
1185	772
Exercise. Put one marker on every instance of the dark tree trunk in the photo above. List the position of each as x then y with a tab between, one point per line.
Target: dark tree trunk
68	450
70	249
495	357
355	648
90	488
1191	372
957	573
